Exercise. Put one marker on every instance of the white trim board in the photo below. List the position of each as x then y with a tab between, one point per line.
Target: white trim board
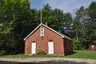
62	35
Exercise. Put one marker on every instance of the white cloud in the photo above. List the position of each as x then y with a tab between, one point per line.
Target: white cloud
68	5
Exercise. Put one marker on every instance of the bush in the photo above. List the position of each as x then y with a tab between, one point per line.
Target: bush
76	44
2	52
41	52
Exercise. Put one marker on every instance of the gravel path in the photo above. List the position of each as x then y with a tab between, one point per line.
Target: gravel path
46	61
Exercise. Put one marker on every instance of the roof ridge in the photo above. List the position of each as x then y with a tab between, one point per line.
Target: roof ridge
50	29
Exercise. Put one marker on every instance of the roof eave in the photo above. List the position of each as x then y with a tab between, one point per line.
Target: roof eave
33	31
67	38
63	36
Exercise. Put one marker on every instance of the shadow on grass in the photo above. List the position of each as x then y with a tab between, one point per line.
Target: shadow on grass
45	62
67	54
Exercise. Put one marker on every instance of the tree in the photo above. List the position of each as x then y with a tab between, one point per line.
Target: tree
92	22
14	14
66	26
57	19
85	25
79	27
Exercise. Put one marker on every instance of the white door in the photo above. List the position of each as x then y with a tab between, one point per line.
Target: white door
50	47
33	47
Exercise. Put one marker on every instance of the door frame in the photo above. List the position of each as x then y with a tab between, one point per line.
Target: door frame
34	47
52	52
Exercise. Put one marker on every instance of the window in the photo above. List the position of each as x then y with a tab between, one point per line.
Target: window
50	40
41	31
33	41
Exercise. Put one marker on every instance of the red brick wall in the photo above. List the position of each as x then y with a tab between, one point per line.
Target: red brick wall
43	44
68	46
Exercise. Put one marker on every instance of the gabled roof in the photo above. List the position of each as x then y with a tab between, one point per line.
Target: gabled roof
62	35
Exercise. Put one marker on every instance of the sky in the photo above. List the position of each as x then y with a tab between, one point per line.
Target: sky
65	5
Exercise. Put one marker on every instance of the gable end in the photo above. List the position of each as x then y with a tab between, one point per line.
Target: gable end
63	36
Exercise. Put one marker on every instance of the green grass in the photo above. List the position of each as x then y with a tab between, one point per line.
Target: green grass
83	54
79	54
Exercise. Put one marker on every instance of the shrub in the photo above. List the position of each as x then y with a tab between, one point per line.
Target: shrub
2	52
41	52
81	44
76	44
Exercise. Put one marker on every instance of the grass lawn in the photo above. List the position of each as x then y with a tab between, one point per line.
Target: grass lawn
83	54
79	54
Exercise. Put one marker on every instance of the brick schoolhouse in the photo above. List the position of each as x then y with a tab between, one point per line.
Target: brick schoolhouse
47	39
